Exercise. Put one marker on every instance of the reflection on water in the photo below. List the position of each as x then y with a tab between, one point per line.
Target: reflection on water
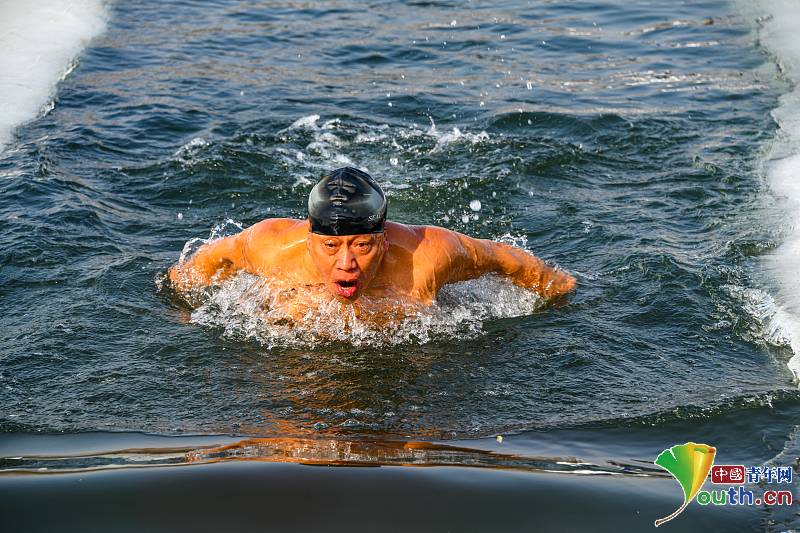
316	451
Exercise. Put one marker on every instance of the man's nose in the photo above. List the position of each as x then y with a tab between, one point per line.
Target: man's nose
346	259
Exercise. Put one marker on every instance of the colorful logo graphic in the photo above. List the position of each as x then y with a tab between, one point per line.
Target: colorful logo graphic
689	464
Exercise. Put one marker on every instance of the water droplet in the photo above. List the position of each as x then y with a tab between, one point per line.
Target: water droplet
180	216
390	104
529	85
393	161
464	218
500	439
453	23
475	205
502	37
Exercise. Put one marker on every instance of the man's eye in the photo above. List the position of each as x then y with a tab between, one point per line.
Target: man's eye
329	245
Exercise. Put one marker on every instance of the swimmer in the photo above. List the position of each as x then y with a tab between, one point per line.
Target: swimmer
348	249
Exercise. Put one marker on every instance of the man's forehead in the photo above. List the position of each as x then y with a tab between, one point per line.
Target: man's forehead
347	238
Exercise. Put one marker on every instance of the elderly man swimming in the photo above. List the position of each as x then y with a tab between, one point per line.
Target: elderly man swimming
347	246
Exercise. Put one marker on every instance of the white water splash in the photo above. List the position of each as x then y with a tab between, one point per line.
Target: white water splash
334	144
39	42
454	136
250	307
778	33
223	229
761	307
309	122
189	153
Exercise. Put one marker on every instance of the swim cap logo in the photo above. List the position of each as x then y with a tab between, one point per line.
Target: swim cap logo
689	464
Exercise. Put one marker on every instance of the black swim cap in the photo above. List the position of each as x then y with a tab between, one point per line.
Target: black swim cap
346	202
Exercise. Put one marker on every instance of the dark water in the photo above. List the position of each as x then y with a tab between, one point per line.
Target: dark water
620	141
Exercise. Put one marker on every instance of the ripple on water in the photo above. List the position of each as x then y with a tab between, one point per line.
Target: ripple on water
617	138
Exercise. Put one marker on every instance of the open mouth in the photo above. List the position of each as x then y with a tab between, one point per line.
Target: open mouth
346	288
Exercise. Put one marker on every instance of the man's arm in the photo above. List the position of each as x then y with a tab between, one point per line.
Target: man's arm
471	258
216	260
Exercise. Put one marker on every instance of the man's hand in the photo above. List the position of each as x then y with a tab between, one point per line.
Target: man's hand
181	279
555	283
527	270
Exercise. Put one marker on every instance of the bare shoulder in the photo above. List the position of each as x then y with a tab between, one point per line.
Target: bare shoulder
420	238
432	250
262	241
442	244
275	231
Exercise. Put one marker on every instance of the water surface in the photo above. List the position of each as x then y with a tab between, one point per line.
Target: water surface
622	142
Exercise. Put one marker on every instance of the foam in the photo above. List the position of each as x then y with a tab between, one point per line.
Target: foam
247	307
769	319
778	34
39	42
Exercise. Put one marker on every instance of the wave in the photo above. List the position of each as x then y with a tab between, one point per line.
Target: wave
38	45
777	33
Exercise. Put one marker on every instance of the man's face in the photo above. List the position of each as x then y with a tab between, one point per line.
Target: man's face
347	263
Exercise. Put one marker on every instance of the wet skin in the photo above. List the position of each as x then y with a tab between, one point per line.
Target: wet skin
408	263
